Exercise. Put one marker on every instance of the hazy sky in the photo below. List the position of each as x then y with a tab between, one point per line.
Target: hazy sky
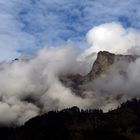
27	25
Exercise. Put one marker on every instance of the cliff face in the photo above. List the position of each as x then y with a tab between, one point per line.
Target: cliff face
104	62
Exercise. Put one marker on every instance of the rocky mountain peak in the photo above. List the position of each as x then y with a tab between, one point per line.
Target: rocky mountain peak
105	60
104	63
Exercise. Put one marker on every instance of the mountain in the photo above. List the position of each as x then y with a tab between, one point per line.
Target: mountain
102	66
105	60
73	123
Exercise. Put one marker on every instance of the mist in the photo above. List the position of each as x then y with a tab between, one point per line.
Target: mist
29	87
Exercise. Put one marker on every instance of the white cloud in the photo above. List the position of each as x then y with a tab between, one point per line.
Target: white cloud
113	37
38	78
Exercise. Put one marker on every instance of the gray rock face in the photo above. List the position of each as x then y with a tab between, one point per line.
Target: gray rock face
104	64
105	60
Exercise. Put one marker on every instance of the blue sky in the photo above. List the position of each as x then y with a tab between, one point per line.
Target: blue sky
27	25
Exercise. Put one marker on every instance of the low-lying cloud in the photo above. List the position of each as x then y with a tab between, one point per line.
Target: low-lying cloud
29	87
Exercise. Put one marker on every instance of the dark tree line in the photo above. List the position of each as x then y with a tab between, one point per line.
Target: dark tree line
76	124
